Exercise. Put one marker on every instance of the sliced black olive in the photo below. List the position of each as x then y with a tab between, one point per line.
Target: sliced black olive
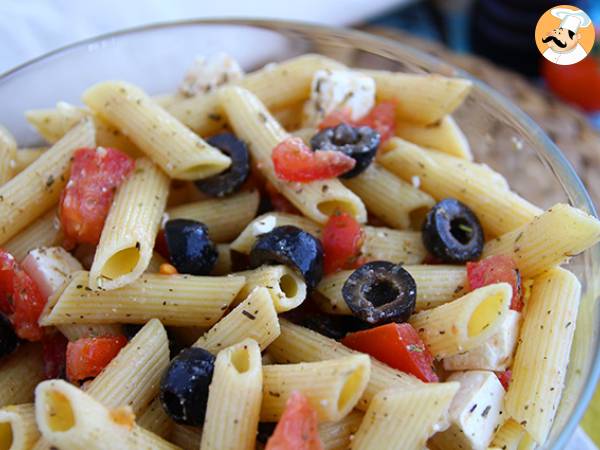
232	179
184	386
131	329
360	143
452	232
265	430
380	292
190	249
292	247
334	327
8	339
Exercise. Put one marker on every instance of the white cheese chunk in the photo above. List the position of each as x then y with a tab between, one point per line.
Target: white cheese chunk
265	225
207	74
338	90
475	412
495	354
50	268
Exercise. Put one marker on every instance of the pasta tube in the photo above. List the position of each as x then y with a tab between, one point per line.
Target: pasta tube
43	232
8	155
18	429
19	375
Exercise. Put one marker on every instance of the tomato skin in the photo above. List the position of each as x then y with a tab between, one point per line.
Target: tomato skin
7	269
294	161
86	357
496	269
504	378
398	345
297	427
576	83
334	118
54	347
86	200
342	240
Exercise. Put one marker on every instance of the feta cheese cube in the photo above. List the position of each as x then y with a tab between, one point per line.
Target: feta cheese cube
49	268
209	73
337	90
265	225
475	412
496	354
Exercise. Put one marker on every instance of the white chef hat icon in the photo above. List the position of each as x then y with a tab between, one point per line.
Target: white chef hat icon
571	19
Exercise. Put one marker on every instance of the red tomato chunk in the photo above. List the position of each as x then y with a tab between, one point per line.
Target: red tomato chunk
342	240
95	176
398	345
86	357
294	161
297	428
496	269
504	378
54	353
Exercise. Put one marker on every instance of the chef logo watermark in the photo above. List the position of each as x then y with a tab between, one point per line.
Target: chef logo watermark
564	35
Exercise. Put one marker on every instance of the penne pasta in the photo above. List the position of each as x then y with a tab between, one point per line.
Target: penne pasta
188	438
128	236
298	344
74	332
43	232
509	436
176	149
32	192
8	155
253	123
155	262
223	265
548	240
254	318
489	201
465	323
225	218
332	387
179	300
286	287
18	429
389	198
337	435
540	365
404	419
155	419
25	156
19	374
234	398
444	135
423	99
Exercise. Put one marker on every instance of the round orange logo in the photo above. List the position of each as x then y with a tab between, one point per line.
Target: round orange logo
564	35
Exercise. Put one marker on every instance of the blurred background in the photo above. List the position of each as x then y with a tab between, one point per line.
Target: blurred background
491	39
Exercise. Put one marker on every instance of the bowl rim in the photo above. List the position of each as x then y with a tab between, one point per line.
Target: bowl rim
557	162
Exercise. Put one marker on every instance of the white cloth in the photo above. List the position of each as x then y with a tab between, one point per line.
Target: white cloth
571	19
565	58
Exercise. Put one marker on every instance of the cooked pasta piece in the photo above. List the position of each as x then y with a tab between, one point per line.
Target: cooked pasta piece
540	366
176	149
332	387
25	156
70	418
179	300
548	240
155	262
223	265
436	285
225	218
444	135
298	344
254	318
74	332
287	288
188	438
43	232
464	323
155	419
489	201
19	374
128	236
509	436
8	155
389	198
404	419
18	429
253	123
289	117
234	399
32	192
277	86
423	99
337	435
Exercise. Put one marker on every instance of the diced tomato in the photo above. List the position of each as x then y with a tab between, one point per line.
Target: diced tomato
297	427
86	357
294	161
278	201
55	355
86	200
504	378
335	118
20	298
398	345
381	118
342	239
497	269
160	245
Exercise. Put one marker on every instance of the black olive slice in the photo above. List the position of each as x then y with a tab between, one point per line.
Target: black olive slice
452	232
380	292
190	249
8	339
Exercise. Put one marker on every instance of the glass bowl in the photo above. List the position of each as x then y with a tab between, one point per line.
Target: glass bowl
156	57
